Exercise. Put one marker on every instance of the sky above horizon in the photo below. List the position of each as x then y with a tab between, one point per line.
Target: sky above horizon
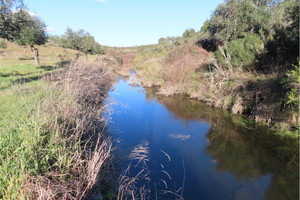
124	23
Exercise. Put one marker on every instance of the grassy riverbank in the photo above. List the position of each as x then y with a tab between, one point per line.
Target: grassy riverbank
51	136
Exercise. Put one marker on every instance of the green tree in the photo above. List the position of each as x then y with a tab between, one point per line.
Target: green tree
10	20
32	33
188	33
87	45
98	50
238	18
240	53
79	40
283	43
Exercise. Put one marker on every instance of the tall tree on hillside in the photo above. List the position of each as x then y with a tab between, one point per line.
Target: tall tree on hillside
10	20
32	33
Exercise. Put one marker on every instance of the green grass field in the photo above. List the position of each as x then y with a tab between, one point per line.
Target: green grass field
33	143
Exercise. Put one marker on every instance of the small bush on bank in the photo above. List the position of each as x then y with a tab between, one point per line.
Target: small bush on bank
292	83
2	44
240	53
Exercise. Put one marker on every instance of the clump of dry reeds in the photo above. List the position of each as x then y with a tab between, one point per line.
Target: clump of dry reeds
138	181
75	126
128	184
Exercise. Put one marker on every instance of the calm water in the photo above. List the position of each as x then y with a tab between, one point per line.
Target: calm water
196	151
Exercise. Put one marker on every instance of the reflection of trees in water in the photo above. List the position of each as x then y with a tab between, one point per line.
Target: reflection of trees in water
242	157
240	152
236	155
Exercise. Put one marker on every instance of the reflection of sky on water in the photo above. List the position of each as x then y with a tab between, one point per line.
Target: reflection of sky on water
218	162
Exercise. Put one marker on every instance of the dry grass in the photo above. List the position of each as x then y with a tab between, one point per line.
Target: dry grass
139	182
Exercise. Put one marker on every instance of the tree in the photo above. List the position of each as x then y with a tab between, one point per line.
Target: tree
32	33
98	50
238	18
189	33
87	45
10	20
80	40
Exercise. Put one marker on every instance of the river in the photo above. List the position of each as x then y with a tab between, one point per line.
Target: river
181	147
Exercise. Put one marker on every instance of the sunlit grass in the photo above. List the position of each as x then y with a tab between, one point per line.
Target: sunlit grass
33	139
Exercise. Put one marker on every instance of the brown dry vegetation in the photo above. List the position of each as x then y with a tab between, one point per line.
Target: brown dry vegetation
122	61
87	84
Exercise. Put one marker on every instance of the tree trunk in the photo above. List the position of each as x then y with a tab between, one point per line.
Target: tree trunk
77	56
25	51
35	52
97	57
86	56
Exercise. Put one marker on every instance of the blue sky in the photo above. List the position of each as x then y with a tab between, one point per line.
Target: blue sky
124	22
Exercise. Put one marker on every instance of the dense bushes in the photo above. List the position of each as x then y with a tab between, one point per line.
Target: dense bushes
240	53
236	21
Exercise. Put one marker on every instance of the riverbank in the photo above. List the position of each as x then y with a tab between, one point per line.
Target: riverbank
189	69
51	137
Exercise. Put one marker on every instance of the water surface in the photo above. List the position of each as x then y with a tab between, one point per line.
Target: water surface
197	151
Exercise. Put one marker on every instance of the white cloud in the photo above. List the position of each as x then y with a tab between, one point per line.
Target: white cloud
33	14
50	29
101	0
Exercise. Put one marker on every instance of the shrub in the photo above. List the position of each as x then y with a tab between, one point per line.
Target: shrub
292	84
2	44
240	52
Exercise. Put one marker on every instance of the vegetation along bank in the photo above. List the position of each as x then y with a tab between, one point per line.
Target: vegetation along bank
244	59
52	145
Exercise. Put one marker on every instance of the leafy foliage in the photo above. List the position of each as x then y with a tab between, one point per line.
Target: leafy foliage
2	44
240	52
79	40
292	83
188	33
276	22
283	43
32	33
10	21
237	18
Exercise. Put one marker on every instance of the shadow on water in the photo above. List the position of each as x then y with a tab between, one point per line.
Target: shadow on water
212	155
